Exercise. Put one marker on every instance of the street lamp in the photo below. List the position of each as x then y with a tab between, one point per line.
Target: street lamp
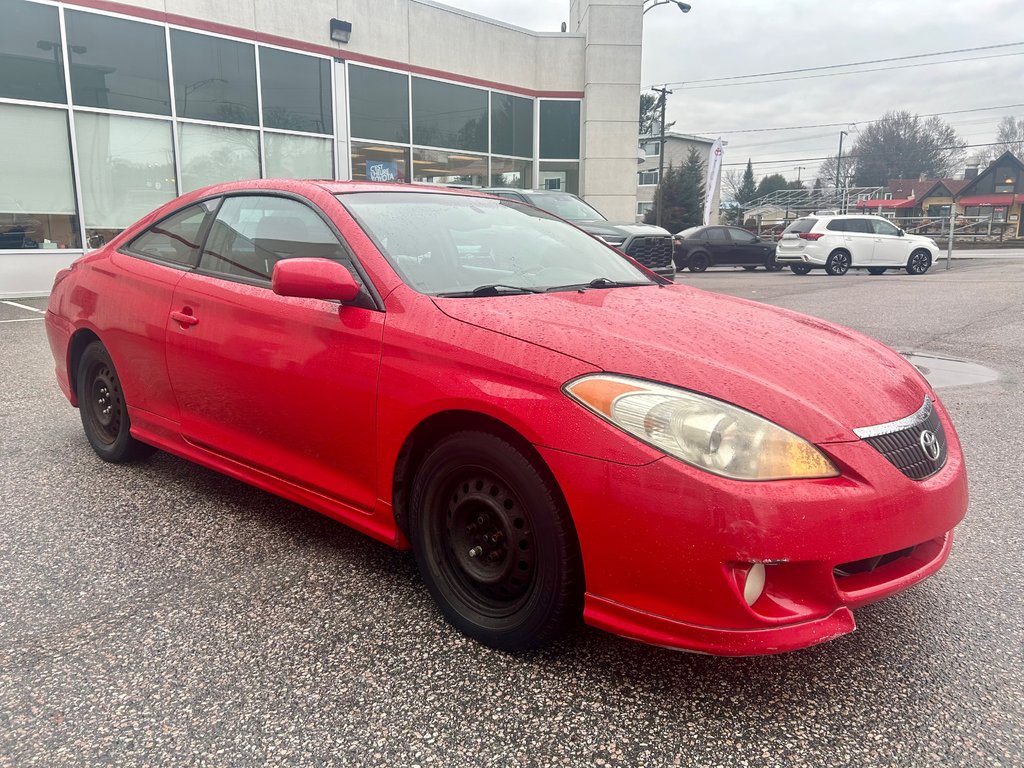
684	7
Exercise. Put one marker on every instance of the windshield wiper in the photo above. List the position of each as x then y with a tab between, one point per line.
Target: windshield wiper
493	289
597	282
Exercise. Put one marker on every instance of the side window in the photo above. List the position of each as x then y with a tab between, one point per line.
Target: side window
741	236
176	238
840	225
254	232
884	228
862	226
717	235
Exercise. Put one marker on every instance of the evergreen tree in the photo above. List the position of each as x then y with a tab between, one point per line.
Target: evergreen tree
682	193
748	187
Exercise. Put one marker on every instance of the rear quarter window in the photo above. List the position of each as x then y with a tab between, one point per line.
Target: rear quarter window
838	225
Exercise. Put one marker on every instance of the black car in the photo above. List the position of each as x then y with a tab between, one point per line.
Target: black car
698	248
649	245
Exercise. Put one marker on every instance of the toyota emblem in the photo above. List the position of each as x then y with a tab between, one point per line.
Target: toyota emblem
930	445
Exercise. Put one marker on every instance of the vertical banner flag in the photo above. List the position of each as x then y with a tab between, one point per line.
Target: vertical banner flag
714	171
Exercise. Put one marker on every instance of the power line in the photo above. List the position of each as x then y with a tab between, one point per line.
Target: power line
848	64
854	72
863	154
848	122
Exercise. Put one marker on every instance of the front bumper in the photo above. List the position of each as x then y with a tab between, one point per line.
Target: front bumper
666	547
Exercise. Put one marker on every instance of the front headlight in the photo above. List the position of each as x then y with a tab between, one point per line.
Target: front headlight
707	433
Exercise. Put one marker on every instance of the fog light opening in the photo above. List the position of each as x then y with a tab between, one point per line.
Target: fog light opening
753	586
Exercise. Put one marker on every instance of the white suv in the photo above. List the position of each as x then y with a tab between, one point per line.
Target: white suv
837	243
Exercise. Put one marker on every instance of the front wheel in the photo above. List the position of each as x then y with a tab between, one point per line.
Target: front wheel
919	263
699	262
838	263
749	267
493	544
800	269
103	409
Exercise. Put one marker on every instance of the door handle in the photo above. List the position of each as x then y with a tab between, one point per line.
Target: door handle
185	317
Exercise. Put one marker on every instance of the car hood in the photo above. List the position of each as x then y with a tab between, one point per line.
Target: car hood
624	228
814	378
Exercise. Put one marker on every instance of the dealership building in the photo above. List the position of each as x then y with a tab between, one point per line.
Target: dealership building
108	110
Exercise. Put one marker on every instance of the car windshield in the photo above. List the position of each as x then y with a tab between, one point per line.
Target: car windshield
477	246
565	206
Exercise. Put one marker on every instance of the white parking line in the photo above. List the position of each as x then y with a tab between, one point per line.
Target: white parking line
23	306
24	320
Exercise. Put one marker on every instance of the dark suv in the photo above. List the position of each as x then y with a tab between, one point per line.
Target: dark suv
649	245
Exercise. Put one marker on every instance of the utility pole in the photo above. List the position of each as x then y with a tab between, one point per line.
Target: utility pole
839	173
659	191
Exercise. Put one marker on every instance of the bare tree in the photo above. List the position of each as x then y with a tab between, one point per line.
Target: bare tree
1009	138
901	145
826	178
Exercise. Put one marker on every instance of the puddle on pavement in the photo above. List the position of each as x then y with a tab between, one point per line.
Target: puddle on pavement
943	372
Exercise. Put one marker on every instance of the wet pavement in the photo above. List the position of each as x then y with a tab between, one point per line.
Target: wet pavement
161	614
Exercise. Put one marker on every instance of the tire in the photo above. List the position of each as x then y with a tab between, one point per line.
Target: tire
493	544
699	262
772	265
103	409
919	262
748	267
800	269
876	270
838	263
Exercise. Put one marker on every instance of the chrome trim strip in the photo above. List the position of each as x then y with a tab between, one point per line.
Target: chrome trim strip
888	428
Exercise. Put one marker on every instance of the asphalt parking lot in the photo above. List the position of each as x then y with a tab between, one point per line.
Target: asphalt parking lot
160	614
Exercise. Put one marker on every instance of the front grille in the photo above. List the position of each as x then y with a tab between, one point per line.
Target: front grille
869	564
652	252
907	446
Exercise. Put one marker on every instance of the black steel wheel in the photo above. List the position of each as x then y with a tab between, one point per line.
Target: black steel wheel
493	544
838	263
102	406
699	261
800	269
876	270
919	262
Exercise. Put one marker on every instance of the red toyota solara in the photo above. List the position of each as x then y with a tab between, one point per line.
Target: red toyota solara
555	431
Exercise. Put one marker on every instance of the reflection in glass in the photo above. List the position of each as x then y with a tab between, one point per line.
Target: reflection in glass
37	197
373	162
127	169
117	64
562	176
296	91
560	129
446	115
299	157
210	154
511	125
31	65
434	166
378	104
214	79
506	172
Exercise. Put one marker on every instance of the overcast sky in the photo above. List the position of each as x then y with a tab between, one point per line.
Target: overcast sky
719	38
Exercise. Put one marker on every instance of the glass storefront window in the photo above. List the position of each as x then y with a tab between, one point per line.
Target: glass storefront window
377	162
561	176
127	170
296	91
560	129
511	125
31	63
37	196
298	157
378	104
446	115
436	167
507	172
210	154
117	64
214	78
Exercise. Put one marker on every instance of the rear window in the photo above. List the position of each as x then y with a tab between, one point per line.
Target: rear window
801	225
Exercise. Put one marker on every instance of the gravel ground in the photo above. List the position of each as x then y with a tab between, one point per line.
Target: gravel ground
160	614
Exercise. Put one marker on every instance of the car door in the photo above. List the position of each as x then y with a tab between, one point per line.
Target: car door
747	247
720	246
891	248
286	385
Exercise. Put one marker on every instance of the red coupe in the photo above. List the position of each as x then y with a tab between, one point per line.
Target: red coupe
555	431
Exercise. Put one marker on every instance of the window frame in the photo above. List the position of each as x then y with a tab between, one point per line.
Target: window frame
204	230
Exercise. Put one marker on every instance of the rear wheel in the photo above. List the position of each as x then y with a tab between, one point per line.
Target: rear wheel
876	270
772	265
800	269
103	409
838	263
919	262
493	544
699	262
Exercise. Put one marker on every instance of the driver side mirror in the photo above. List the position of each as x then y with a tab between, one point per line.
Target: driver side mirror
313	279
900	233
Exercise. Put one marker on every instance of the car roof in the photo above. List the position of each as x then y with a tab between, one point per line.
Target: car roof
328	185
